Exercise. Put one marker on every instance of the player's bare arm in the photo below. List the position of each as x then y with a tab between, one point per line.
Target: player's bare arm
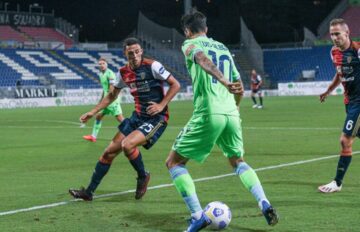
106	101
239	96
335	82
211	69
156	108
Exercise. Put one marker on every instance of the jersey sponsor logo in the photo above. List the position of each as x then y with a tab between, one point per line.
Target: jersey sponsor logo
347	79
162	70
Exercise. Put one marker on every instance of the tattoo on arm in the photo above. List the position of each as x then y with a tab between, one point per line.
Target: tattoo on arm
209	66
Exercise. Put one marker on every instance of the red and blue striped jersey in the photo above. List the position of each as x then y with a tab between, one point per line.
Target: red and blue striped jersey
146	85
347	64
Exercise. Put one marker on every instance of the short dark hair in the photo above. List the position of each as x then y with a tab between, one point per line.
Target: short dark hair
130	41
195	22
338	21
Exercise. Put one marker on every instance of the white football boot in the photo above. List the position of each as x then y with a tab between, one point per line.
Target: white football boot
330	187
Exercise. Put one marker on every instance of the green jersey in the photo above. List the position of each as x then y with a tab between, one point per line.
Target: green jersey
210	96
108	78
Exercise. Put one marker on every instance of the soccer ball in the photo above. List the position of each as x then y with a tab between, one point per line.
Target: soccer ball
219	213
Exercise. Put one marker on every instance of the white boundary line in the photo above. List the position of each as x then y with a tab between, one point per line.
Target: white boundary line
4	213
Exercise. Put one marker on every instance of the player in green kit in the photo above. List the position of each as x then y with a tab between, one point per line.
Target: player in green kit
217	92
107	79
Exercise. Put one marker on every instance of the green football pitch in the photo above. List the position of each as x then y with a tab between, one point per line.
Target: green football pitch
292	143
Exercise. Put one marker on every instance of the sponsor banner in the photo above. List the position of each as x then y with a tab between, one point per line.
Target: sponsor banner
35	92
265	92
25	19
306	88
73	97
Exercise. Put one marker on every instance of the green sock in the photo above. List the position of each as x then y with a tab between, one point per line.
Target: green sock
96	128
186	187
251	181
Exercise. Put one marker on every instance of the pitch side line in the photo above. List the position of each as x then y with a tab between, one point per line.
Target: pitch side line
166	185
171	127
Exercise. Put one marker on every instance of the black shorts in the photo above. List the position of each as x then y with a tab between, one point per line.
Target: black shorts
151	127
352	121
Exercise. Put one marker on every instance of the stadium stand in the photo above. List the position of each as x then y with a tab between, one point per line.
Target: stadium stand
352	17
66	69
46	34
9	33
287	64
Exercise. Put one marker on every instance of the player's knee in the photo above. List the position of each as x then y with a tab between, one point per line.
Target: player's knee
127	146
346	146
169	163
345	142
234	162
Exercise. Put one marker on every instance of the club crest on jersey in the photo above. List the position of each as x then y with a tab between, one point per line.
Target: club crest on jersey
142	75
349	59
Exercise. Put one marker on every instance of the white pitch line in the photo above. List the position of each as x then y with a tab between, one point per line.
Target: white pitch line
167	185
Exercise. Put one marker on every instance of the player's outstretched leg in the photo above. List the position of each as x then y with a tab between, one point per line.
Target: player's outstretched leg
186	187
252	183
100	171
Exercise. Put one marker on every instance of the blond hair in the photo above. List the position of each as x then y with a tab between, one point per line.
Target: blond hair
338	21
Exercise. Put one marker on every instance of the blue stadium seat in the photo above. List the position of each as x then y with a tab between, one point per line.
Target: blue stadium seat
287	64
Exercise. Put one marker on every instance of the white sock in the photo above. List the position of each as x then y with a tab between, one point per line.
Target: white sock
197	215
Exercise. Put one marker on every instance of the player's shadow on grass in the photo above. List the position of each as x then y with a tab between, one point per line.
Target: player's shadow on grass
159	221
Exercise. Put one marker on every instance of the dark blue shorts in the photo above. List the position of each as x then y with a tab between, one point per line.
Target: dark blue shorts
258	91
352	121
151	127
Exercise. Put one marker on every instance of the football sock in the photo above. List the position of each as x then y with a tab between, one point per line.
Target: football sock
261	101
343	164
186	187
100	171
135	159
254	100
96	128
251	181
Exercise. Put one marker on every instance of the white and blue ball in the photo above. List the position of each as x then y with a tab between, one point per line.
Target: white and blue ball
219	213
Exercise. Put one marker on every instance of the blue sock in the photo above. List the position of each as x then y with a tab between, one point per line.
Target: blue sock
100	171
138	165
343	164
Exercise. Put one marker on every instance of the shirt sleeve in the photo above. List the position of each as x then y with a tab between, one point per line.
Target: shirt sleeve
119	83
259	77
112	77
159	71
235	75
190	49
